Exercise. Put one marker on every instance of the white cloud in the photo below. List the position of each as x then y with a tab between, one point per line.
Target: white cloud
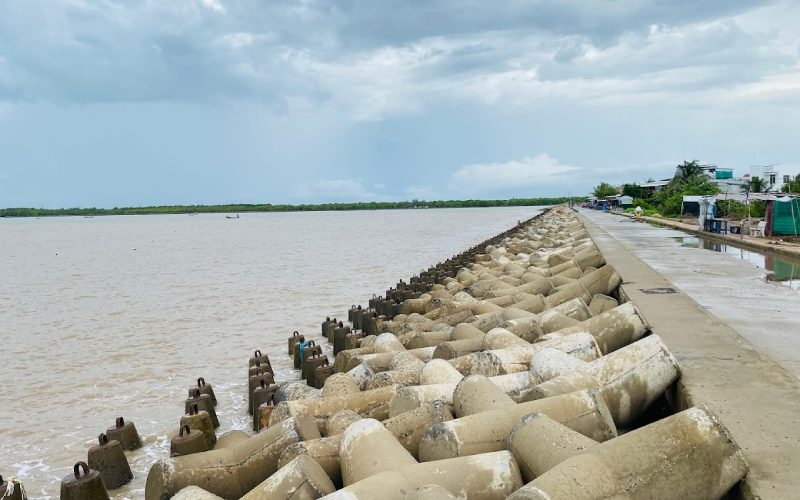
529	172
236	40
214	5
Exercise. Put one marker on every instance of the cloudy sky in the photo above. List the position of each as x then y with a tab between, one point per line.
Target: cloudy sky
112	103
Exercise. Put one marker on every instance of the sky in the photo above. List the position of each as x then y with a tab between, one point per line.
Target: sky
120	103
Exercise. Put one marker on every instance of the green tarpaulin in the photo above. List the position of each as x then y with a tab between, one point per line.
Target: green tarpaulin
786	217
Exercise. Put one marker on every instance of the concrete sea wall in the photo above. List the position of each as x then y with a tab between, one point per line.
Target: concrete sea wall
519	368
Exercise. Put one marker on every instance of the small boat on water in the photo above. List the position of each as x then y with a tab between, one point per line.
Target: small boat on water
232	217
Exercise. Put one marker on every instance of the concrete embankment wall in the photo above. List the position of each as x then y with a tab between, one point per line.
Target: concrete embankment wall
523	368
758	400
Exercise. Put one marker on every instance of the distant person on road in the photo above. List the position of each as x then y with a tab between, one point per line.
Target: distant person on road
637	212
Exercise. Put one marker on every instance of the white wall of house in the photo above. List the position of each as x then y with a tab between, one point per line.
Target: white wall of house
775	176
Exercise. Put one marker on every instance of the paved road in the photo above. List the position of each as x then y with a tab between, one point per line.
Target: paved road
734	290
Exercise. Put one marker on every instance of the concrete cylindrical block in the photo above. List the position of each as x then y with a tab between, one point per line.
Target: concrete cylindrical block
689	455
83	484
430	492
360	442
629	379
302	478
322	408
502	361
540	443
338	385
491	476
614	328
476	393
125	433
399	377
605	280
324	451
552	321
231	439
500	338
527	329
108	458
404	361
601	303
410	426
388	342
229	472
339	421
439	371
289	391
464	331
575	381
549	363
409	398
582	411
515	313
194	493
456	348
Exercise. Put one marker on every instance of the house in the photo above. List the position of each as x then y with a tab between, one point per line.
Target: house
652	187
775	176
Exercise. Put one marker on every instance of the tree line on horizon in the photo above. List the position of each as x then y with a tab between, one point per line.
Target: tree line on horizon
268	207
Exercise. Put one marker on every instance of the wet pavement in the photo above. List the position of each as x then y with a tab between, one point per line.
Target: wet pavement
756	294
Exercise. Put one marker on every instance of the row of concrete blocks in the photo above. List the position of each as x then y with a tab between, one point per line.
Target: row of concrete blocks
107	466
548	415
552	444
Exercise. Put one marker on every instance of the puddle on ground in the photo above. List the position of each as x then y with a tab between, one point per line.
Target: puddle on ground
778	268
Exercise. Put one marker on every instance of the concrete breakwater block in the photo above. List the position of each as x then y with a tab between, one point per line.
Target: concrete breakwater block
407	428
612	329
200	420
488	476
12	489
539	443
629	379
360	442
229	471
300	479
689	455
108	458
322	408
83	484
582	411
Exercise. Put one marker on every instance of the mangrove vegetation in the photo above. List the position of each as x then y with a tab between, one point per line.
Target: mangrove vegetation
267	207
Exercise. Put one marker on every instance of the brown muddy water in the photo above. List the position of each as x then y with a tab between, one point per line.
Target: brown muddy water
118	316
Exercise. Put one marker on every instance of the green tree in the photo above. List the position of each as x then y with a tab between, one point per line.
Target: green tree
632	190
688	171
688	180
757	185
604	189
793	186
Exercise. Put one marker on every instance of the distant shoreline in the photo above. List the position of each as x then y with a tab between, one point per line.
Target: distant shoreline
267	207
